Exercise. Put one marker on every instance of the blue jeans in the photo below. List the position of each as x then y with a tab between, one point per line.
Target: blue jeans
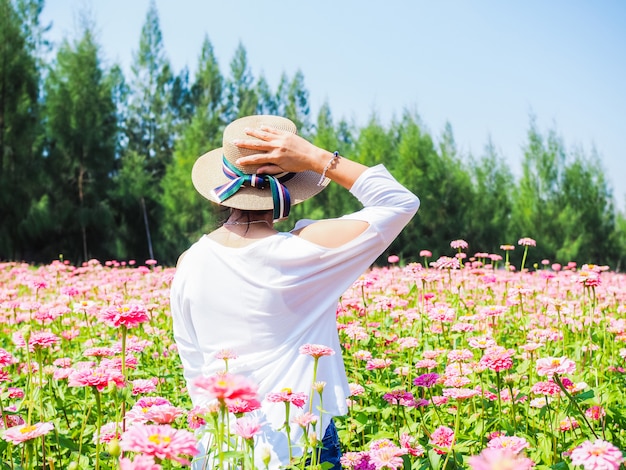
332	450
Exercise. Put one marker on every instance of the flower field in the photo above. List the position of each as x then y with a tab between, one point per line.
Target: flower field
466	364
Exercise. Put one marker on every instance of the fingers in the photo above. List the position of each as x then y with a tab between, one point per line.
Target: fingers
253	159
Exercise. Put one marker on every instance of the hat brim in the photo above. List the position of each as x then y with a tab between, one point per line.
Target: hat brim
207	174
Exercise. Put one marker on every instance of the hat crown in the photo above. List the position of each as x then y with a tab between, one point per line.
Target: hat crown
236	130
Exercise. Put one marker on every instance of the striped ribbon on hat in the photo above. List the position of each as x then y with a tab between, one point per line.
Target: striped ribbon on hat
280	193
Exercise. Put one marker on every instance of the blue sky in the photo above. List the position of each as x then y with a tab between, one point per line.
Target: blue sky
484	66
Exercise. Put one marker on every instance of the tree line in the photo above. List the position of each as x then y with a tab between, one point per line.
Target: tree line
96	164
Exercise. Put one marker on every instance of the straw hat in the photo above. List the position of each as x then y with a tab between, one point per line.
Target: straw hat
208	171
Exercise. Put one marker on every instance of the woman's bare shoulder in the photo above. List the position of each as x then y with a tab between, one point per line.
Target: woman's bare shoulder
332	233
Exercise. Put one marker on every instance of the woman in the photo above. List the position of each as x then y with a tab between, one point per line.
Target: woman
263	294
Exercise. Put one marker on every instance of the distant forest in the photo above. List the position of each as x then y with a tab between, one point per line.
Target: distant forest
96	164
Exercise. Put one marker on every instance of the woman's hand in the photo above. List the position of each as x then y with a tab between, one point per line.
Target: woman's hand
281	151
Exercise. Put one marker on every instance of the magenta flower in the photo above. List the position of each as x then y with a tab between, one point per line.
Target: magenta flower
25	432
598	455
128	315
159	441
316	350
499	459
426	380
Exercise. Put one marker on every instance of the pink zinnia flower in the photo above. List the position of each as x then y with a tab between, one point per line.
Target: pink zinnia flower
227	387
387	457
316	350
497	358
99	377
141	462
425	254
445	262
550	366
460	355
305	419
442	438
143	386
6	358
43	339
499	459
595	413
526	242
226	354
163	414
160	441
460	393
108	432
239	405
25	432
409	443
247	427
568	424
376	363
598	455
513	443
287	395
99	352
459	244
195	417
128	315
356	461
356	389
363	355
391	259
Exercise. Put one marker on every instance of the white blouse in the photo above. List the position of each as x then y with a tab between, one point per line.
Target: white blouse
266	299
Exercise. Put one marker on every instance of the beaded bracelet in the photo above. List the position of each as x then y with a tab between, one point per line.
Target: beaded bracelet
333	159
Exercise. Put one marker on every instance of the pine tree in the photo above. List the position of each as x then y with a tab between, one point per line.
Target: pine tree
20	132
186	214
81	135
241	94
150	127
